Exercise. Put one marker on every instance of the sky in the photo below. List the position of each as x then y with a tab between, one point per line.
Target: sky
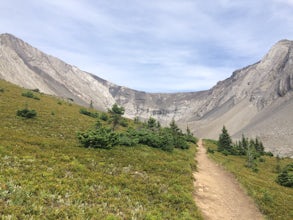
153	45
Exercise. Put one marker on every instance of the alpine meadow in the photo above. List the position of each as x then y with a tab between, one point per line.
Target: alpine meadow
46	173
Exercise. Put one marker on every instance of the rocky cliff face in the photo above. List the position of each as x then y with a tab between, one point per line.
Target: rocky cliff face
256	101
249	101
26	66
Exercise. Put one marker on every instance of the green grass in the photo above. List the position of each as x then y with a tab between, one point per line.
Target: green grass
46	174
275	201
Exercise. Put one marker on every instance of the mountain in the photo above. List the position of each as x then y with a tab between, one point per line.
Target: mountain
256	100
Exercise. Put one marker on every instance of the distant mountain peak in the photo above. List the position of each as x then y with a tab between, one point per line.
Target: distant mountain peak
284	41
6	37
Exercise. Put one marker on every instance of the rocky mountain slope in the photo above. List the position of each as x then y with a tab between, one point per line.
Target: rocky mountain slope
256	100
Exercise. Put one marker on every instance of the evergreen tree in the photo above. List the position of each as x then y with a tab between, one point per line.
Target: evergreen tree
188	132
175	129
158	125
136	120
259	146
225	142
244	145
189	136
151	123
178	136
116	113
285	178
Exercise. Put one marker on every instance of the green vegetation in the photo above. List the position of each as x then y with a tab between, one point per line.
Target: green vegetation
98	138
104	116
243	147
92	114
273	200
189	136
285	178
150	133
26	113
116	113
225	142
36	90
46	174
30	94
253	148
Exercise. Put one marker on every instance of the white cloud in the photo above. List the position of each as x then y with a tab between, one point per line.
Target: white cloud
155	45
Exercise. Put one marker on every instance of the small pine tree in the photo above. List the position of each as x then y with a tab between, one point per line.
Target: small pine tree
136	120
158	125
225	142
188	132
285	178
259	146
189	136
178	136
244	144
116	113
151	123
104	116
175	129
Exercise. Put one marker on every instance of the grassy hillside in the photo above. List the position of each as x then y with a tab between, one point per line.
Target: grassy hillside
46	174
273	200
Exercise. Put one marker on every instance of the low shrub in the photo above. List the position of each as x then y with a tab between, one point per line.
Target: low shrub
123	122
104	117
89	113
98	138
190	138
181	143
26	113
30	94
147	137
36	90
126	139
210	150
270	154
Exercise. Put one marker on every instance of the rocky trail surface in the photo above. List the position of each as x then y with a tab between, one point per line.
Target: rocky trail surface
218	195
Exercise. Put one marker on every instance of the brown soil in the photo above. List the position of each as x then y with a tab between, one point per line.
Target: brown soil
218	195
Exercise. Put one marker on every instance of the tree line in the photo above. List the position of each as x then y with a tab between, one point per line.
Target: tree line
253	149
149	133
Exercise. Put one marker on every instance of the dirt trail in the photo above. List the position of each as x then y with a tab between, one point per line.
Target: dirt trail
218	195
